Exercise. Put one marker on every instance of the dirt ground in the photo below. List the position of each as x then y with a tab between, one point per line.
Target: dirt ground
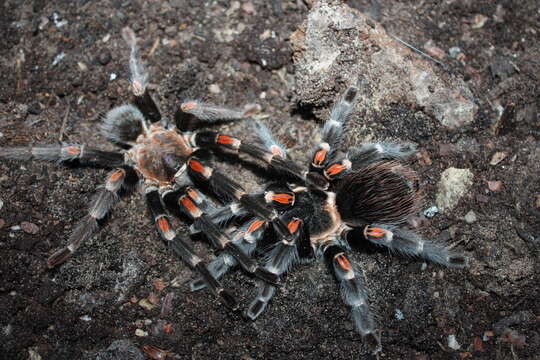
63	64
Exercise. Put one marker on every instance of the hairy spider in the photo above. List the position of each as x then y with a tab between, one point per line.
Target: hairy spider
344	198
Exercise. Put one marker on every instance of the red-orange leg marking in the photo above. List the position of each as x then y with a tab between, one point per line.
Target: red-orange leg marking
319	157
163	224
225	140
73	150
335	169
255	225
343	262
190	206
293	225
375	231
285	199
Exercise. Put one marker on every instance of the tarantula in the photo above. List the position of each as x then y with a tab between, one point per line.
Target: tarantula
364	192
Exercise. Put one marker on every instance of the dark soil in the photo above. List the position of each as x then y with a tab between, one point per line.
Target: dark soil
81	308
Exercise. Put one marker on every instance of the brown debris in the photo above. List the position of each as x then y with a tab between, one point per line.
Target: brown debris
29	228
159	284
498	157
153	298
155	353
495	185
478	344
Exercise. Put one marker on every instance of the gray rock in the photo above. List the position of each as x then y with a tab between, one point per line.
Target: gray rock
337	42
470	217
453	185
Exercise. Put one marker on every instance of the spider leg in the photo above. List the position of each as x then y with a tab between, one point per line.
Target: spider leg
182	249
332	131
122	125
64	153
246	238
353	292
410	243
373	152
225	143
268	140
190	204
121	180
223	214
211	113
139	79
227	188
280	259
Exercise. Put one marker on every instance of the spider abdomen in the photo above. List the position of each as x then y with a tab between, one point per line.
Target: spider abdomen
383	192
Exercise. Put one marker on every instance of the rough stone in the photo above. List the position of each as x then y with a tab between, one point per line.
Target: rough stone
470	217
453	185
338	42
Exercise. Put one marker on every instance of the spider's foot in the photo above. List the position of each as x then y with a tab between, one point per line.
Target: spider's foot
372	341
228	299
457	260
197	284
255	309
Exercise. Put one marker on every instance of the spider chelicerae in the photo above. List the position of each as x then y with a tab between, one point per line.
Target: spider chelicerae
344	198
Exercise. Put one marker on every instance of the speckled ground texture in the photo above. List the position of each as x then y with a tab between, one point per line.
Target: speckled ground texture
240	52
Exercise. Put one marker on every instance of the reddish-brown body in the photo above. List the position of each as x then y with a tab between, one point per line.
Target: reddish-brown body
159	152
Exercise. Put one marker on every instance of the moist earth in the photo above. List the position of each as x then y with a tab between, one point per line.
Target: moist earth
64	65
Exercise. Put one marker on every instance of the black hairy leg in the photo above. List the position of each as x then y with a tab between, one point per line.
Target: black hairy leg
181	248
120	181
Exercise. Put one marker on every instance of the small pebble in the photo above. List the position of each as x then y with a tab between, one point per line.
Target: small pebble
145	304
248	7
497	158
399	315
85	318
470	217
82	66
58	58
431	212
153	298
454	51
1	204
159	284
140	333
104	57
495	185
478	21
452	342
214	89
29	227
433	50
